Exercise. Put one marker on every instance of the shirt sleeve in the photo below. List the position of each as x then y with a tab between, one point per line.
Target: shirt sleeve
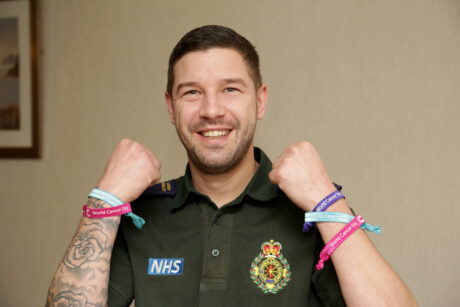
325	282
121	290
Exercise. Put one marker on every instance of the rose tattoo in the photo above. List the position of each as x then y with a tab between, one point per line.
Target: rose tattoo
68	298
86	247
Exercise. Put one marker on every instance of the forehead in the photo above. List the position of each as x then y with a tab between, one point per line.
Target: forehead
210	65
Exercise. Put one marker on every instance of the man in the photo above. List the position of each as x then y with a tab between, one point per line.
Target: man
228	233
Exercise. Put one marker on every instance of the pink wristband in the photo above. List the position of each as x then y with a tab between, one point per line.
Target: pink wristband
106	212
338	239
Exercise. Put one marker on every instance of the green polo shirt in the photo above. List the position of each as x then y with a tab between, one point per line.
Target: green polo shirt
249	252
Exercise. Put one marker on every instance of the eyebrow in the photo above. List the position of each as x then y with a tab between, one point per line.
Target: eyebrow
234	80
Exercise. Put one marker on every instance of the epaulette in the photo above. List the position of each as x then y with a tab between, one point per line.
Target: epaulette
164	188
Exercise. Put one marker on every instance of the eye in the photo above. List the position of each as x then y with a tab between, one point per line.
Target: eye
191	92
230	90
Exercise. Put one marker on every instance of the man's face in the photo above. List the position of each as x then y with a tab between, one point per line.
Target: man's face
215	108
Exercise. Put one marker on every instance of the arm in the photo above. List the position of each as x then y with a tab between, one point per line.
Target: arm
82	276
83	273
364	276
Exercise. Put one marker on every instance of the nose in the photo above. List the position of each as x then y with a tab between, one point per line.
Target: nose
211	106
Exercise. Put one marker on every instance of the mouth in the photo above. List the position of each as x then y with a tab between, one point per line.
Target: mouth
215	133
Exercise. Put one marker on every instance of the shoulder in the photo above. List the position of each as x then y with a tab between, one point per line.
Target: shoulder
155	199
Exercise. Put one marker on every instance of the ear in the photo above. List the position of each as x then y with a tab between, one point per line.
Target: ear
262	98
169	105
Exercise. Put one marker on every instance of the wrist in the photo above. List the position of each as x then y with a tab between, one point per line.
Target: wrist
94	203
329	229
340	206
112	189
323	205
114	201
319	195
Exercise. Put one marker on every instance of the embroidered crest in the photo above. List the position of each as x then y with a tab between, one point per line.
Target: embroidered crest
270	271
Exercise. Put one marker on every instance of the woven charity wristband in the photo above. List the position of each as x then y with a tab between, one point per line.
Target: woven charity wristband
323	205
106	212
338	217
114	201
338	239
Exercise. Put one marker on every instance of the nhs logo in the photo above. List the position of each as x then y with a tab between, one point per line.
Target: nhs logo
166	266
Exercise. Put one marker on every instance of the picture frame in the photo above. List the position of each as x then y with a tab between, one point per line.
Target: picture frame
19	108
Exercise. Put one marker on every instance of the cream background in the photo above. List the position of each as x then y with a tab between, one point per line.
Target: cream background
375	85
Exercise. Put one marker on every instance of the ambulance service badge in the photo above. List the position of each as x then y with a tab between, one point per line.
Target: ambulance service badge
270	271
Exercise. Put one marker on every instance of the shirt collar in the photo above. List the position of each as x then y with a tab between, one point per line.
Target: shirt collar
259	188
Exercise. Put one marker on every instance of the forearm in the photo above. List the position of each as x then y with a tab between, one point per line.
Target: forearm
364	276
83	273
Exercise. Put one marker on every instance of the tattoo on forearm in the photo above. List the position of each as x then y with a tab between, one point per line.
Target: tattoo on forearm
87	246
69	298
95	203
84	269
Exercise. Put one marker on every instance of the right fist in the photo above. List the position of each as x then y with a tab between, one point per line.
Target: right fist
131	169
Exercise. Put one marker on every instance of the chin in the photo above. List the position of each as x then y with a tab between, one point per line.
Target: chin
214	169
214	163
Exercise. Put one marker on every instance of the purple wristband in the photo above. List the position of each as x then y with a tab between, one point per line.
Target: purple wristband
323	205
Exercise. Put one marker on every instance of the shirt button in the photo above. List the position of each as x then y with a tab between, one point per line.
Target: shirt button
215	252
217	221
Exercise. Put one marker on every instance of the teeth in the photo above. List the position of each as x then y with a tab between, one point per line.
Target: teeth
215	133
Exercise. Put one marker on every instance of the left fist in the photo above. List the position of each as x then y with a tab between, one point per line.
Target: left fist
301	175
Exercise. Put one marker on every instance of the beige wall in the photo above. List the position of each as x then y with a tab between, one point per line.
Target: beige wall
375	85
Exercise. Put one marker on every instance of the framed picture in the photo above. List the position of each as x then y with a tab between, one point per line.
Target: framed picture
19	135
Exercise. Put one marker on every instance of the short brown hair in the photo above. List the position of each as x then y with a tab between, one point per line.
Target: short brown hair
212	36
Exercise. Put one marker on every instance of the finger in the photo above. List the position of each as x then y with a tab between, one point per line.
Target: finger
156	179
272	177
153	159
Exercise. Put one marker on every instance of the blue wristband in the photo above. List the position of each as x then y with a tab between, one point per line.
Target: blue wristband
114	201
323	205
337	217
106	197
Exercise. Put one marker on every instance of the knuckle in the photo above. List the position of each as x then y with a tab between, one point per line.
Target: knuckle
125	142
305	143
273	177
155	162
137	146
307	146
293	149
155	177
141	155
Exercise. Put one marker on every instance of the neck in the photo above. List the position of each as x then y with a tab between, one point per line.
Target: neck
223	188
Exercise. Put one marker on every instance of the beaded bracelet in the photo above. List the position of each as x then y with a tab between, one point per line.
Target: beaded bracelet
114	201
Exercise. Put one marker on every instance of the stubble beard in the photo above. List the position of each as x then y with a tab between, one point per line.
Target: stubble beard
232	157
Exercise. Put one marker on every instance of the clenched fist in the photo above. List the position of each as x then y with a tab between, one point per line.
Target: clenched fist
302	176
131	169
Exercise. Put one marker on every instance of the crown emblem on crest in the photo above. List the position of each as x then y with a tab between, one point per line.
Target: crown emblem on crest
271	248
270	270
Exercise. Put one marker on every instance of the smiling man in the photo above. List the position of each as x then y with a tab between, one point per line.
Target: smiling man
228	232
214	107
214	104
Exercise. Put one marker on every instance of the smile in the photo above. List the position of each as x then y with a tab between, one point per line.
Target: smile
214	133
